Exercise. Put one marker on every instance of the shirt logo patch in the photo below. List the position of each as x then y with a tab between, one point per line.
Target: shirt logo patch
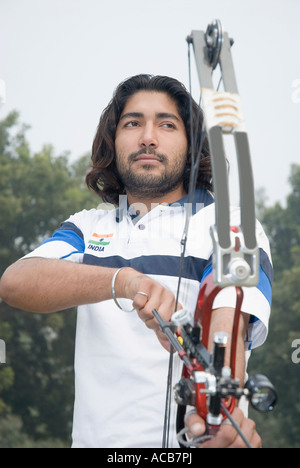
99	241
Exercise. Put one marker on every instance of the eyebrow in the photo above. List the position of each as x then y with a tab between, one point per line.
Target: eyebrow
159	115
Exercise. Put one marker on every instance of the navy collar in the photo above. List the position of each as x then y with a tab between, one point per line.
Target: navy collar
200	196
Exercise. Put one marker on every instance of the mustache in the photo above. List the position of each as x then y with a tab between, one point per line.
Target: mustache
161	157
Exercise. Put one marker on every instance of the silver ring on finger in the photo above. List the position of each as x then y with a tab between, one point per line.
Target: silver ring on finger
143	294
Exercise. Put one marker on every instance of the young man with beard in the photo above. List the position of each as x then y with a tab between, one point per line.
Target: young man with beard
118	265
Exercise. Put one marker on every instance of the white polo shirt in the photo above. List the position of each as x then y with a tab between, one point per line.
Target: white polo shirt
120	367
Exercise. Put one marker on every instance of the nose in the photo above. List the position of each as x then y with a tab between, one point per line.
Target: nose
148	137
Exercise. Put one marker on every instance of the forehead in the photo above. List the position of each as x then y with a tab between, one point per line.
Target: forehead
151	102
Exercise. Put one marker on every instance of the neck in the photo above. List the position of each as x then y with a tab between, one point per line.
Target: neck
144	204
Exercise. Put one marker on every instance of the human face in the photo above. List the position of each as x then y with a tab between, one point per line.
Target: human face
151	146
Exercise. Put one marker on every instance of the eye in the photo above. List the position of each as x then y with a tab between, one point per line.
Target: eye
132	123
168	125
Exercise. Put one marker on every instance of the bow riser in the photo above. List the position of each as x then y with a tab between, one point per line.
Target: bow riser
206	371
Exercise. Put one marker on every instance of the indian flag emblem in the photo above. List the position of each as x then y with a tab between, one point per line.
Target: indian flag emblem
100	240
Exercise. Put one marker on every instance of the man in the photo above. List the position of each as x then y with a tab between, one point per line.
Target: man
109	262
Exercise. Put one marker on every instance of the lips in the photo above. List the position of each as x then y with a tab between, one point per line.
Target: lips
147	157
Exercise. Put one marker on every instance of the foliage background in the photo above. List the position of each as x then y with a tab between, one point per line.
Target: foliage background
281	428
37	192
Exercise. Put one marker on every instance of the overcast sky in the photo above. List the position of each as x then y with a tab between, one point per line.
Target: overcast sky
62	59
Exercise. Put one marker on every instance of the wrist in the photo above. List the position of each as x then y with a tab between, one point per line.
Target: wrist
121	283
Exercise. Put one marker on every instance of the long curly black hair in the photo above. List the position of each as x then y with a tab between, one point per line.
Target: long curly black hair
103	177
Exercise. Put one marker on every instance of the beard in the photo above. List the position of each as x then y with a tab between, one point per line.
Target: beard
149	184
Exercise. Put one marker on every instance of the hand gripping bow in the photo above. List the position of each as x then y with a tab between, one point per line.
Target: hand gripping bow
206	383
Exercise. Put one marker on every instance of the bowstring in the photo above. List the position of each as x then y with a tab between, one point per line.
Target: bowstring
192	186
193	174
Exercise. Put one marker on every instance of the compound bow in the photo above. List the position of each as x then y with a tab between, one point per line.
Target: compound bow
206	383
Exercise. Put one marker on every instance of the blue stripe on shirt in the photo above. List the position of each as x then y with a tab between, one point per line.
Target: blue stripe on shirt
70	234
163	265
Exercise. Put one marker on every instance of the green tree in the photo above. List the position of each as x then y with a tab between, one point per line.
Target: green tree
37	192
281	428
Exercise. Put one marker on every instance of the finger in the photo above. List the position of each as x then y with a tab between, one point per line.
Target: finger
256	441
164	341
164	304
227	435
195	424
248	429
140	300
146	315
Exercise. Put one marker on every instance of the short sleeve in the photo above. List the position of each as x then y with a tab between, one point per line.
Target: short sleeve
66	243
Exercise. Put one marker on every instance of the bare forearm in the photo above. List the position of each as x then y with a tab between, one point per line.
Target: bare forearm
46	285
222	321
